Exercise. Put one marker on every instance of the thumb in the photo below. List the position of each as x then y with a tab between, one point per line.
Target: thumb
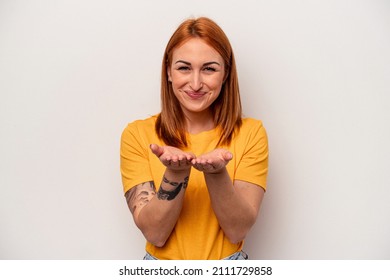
227	156
156	149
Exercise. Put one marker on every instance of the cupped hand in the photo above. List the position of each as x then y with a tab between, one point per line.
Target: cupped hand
212	162
173	158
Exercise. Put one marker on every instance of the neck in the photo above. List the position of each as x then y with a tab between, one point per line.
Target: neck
199	122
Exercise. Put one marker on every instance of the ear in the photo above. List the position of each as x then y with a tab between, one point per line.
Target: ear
225	74
169	74
225	78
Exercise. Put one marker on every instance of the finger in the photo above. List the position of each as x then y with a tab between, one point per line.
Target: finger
174	163
202	164
184	161
227	156
167	159
199	168
166	162
208	168
156	149
176	158
195	164
190	156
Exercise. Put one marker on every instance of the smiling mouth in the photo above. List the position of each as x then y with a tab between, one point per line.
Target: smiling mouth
195	94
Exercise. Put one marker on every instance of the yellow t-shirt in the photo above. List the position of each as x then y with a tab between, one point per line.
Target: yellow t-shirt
197	234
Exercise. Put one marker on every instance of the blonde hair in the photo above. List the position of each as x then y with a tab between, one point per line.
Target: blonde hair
226	109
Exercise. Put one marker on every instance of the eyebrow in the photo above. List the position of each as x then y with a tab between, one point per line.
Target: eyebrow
205	64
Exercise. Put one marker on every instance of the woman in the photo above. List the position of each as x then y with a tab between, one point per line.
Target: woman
194	176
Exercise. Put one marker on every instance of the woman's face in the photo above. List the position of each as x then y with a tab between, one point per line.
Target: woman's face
196	72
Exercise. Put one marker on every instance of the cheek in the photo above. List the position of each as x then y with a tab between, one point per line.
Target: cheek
215	83
178	80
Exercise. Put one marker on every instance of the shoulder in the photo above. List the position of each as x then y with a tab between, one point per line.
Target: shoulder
140	126
139	129
251	130
251	124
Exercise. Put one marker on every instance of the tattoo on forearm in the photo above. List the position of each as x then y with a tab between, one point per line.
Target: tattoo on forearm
169	195
140	195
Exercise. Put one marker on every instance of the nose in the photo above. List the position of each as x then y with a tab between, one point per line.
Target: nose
196	81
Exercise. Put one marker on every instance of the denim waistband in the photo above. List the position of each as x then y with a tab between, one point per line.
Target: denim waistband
240	255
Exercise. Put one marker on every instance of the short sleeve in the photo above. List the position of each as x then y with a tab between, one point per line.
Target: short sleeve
134	158
253	164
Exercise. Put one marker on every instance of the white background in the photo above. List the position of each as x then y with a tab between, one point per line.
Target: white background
74	73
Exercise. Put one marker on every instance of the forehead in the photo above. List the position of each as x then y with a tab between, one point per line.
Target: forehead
196	49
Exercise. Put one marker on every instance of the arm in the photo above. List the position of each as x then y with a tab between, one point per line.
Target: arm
236	205
156	213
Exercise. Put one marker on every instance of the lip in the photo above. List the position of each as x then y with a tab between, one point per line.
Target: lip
195	94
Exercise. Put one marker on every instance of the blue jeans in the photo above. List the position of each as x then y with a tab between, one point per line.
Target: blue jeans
241	255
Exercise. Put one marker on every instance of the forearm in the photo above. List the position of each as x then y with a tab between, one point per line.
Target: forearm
235	215
158	218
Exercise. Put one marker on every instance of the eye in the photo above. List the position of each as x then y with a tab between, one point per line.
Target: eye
183	68
209	69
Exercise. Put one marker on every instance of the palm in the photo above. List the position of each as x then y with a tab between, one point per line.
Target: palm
173	158
212	162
